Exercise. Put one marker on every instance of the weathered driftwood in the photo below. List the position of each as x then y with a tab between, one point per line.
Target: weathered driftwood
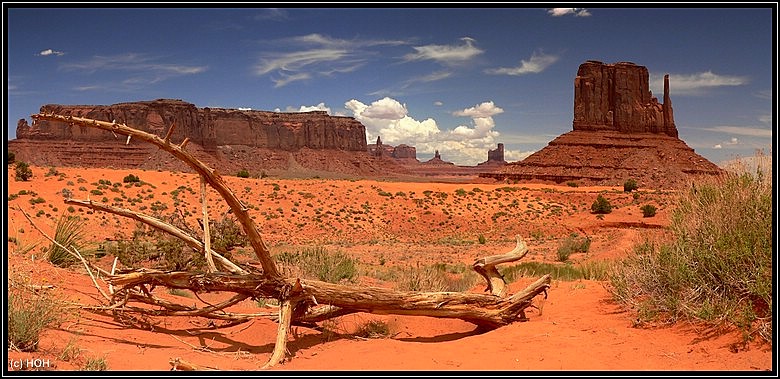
302	301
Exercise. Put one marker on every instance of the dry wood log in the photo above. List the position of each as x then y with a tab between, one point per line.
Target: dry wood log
487	267
301	300
484	310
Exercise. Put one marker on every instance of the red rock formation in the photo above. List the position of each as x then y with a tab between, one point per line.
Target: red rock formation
208	127
617	97
404	152
496	155
620	132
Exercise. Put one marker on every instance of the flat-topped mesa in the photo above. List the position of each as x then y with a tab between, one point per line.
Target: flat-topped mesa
617	97
208	127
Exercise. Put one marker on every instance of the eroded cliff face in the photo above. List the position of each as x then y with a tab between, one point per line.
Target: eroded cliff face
208	127
620	132
617	97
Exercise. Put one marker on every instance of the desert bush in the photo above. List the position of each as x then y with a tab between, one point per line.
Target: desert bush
573	244
22	172
70	232
130	178
52	172
28	315
95	364
717	266
597	270
243	174
630	185
572	184
601	205
648	210
374	329
10	158
434	278
320	264
481	239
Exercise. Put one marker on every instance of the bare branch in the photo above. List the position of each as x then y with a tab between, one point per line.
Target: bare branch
261	250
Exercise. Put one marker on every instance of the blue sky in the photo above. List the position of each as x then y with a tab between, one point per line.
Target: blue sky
457	80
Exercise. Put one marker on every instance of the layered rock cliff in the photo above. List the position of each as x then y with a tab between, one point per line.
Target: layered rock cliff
620	132
207	127
617	97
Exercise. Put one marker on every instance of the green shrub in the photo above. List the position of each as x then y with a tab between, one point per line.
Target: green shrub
481	239
130	178
11	158
601	205
320	264
573	244
95	364
572	184
630	185
243	174
28	315
70	232
23	172
718	264
648	210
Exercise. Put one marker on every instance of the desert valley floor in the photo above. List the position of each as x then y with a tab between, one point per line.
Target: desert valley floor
384	225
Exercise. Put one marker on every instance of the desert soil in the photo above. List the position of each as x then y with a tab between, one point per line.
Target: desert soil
383	224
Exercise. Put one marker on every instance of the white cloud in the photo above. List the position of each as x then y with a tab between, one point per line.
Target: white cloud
447	54
317	55
146	69
718	146
741	131
48	52
463	145
535	65
438	103
695	84
286	79
765	119
578	12
274	14
245	108
486	109
298	60
305	108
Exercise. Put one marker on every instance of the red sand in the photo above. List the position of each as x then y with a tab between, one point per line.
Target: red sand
578	327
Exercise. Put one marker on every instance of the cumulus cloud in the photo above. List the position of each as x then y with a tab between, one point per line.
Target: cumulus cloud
463	145
446	54
305	108
536	64
577	12
48	52
695	84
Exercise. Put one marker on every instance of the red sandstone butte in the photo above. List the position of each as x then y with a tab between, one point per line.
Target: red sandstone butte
620	132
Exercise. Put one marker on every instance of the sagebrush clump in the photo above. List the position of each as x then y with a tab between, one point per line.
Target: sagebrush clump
717	267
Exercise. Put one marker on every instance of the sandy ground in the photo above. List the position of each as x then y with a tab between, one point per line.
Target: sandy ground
383	224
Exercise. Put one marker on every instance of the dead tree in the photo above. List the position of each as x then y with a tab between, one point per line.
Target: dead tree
302	301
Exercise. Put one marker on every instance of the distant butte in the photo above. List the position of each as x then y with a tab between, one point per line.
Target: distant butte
620	131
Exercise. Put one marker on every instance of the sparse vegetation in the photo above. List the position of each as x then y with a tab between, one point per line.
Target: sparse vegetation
29	314
22	172
130	178
243	173
630	185
648	210
573	244
95	364
70	232
10	158
374	329
320	264
718	265
601	205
